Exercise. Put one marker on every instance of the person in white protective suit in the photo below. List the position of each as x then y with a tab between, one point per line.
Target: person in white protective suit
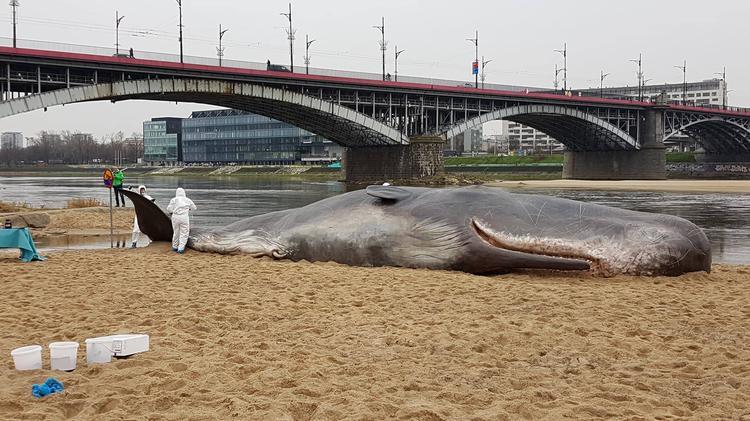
180	208
136	229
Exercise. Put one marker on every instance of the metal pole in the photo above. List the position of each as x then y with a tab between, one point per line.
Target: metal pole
476	58
475	40
601	83
307	54
684	82
220	49
723	75
14	4
111	222
564	53
290	35
383	44
484	64
179	3
118	19
395	62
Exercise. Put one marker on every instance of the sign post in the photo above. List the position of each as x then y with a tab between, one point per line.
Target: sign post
108	177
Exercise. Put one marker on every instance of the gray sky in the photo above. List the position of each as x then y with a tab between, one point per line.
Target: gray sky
520	36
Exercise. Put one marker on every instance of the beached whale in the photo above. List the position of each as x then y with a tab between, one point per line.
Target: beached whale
474	229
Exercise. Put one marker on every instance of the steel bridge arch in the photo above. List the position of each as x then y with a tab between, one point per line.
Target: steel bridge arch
715	134
332	121
556	121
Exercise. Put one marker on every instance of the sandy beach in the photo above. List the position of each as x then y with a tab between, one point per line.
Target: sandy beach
716	186
237	337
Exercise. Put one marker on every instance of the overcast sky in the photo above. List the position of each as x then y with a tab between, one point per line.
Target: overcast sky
520	36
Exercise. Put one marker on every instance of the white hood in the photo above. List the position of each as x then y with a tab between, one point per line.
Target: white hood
144	193
180	205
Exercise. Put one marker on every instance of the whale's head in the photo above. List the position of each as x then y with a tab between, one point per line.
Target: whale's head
500	231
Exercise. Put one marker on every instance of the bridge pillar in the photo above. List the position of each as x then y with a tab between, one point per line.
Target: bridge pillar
647	163
422	158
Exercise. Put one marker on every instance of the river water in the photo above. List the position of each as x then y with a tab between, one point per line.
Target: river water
725	217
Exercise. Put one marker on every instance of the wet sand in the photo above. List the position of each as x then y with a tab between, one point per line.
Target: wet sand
233	336
716	186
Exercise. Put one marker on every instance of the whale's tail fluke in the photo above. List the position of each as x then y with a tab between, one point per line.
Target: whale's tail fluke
152	221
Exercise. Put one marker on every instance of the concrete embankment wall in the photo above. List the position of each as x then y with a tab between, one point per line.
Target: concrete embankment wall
723	170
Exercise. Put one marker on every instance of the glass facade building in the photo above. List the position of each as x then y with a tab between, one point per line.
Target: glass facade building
232	136
162	141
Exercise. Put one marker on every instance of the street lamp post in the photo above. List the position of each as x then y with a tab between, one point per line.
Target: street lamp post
220	48
383	44
564	53
557	72
601	83
684	81
640	76
475	65
290	34
179	5
723	75
484	64
13	4
118	19
308	42
395	62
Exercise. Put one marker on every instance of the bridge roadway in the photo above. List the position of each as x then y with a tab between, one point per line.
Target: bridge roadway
391	129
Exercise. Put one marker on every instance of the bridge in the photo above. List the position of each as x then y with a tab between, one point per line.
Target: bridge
391	130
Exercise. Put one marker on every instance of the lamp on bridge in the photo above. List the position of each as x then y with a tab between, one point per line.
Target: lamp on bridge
475	64
684	81
290	35
308	43
564	53
118	19
220	49
179	5
382	42
484	64
13	4
601	83
395	62
640	76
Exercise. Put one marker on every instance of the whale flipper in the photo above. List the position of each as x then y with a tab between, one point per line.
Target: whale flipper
152	221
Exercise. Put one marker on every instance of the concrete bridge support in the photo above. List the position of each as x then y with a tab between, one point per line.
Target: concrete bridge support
421	158
647	163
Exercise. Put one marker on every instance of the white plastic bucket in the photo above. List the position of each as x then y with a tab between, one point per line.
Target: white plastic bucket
63	355
98	350
27	357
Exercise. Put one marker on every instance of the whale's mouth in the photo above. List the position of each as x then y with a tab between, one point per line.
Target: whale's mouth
568	255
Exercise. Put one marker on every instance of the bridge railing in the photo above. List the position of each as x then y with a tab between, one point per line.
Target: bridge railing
213	61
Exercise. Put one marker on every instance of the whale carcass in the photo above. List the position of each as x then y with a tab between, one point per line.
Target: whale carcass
480	230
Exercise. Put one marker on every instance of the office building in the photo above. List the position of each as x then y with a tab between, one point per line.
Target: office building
162	141
238	137
12	140
466	143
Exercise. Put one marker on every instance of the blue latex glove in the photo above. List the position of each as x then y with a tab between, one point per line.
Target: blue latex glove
49	387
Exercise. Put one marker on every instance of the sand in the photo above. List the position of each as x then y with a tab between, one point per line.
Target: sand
715	186
81	222
237	337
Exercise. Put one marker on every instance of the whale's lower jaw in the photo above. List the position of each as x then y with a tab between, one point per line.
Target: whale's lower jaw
250	244
605	258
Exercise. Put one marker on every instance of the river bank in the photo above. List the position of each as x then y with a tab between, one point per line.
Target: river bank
234	336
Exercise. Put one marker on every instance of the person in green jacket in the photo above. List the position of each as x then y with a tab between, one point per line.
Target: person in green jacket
119	177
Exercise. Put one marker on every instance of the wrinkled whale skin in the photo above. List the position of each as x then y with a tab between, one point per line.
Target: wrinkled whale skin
473	229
